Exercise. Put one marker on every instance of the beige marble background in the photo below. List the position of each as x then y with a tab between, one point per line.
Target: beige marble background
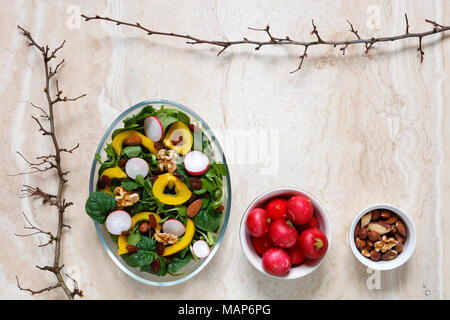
353	131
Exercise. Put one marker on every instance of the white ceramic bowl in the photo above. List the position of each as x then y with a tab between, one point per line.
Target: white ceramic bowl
260	202
408	246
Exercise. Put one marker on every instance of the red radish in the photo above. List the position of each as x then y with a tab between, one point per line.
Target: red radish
174	226
297	255
257	222
262	244
135	167
299	209
283	234
117	222
276	209
313	223
153	128
313	242
200	249
196	162
276	261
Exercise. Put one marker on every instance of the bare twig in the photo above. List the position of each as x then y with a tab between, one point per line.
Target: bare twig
342	44
50	162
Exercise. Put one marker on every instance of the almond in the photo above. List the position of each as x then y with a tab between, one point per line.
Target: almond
401	228
132	141
194	208
379	227
391	220
399	247
365	220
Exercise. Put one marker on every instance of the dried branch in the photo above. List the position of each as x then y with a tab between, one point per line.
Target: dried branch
49	162
343	44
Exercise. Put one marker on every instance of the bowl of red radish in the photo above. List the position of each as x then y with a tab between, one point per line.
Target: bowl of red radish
285	233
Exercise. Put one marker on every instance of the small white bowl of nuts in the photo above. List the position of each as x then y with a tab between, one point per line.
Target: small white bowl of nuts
382	237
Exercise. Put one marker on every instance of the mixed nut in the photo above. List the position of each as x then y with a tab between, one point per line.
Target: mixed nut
380	235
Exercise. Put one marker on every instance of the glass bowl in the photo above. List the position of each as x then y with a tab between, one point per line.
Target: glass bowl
195	266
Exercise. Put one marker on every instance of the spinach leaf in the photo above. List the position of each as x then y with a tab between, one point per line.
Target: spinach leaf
134	237
139	258
99	205
169	116
132	151
146	244
178	263
219	168
129	185
144	113
208	219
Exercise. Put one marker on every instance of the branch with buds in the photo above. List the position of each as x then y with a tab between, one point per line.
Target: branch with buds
272	40
47	163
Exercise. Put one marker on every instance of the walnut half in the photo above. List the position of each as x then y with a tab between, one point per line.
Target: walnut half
167	161
125	198
385	244
166	238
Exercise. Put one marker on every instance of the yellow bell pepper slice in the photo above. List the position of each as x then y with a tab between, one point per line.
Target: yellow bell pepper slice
118	141
183	241
183	193
176	130
142	216
114	173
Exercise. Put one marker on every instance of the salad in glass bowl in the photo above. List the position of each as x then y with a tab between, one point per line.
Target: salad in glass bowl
159	192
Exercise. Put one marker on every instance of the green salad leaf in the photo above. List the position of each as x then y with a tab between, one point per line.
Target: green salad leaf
146	244
140	117
112	159
134	237
132	151
139	258
129	185
178	263
99	205
169	116
208	219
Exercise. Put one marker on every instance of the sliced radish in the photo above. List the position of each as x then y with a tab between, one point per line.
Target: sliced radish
174	226
117	222
200	249
135	167
153	128
196	163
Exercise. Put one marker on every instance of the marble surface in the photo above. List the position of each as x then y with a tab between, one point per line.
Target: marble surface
352	130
